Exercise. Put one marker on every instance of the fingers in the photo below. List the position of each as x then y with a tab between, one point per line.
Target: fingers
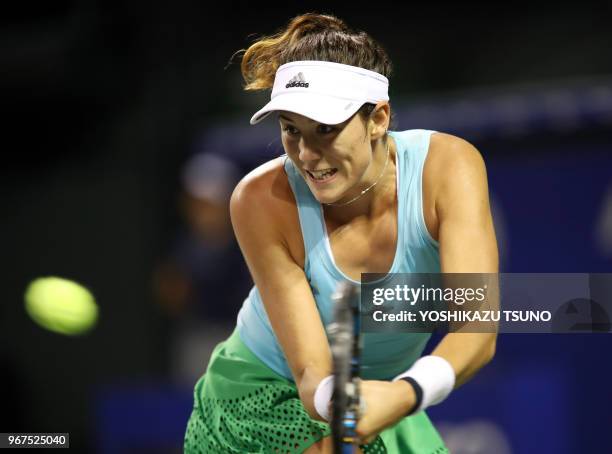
367	437
362	406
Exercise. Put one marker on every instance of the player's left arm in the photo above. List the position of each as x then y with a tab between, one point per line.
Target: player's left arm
466	238
454	178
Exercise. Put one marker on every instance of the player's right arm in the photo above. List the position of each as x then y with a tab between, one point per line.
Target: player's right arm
264	216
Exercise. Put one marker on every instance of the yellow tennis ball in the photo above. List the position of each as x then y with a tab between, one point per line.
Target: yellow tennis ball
61	305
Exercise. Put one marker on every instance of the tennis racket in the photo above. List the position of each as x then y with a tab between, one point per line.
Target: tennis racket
345	343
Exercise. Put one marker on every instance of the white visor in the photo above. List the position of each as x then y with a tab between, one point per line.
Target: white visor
323	91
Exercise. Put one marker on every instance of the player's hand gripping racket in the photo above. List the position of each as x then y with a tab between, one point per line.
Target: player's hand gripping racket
346	352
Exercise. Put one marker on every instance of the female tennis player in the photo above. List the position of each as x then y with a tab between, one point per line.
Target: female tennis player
349	197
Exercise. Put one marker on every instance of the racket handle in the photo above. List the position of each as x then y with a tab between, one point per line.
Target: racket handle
348	448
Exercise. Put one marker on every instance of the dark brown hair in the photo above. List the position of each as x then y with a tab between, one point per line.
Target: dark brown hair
312	36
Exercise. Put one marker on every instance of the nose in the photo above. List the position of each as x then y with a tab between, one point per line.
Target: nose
308	152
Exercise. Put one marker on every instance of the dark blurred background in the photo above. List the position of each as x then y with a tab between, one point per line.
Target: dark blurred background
112	113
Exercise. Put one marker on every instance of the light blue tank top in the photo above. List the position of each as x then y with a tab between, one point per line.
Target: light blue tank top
384	355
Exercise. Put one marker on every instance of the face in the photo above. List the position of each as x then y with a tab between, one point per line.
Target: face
333	159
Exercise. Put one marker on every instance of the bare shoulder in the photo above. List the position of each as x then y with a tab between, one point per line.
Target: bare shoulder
264	190
263	207
447	151
452	159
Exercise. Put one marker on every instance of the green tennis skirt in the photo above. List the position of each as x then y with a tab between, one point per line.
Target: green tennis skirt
243	406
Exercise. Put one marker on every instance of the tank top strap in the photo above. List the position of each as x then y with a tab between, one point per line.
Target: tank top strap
309	211
413	146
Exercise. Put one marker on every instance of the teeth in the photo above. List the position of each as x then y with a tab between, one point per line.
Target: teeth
321	174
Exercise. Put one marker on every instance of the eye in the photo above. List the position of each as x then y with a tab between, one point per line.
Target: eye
326	129
290	130
321	129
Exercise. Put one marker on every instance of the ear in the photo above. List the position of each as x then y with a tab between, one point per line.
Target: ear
378	123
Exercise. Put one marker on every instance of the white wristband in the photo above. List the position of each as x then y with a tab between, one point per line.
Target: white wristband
323	395
436	377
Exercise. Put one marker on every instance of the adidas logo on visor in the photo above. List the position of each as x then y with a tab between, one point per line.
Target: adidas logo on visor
297	81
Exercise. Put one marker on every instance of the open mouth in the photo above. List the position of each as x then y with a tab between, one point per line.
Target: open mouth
321	176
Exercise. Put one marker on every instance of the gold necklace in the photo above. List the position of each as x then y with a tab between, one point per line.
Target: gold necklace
366	189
